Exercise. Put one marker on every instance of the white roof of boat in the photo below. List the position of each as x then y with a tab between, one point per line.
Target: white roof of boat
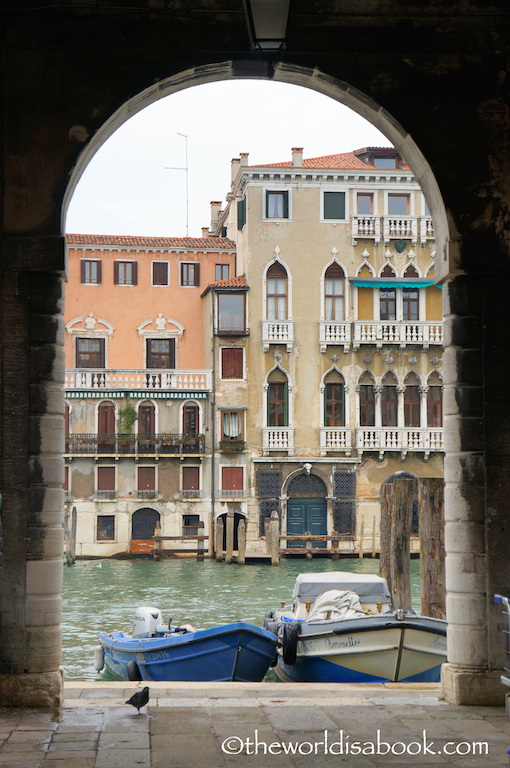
368	586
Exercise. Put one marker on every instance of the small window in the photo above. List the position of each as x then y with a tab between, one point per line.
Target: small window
389	403
241	213
232	425
105	530
435	406
334	205
387	304
160	273
221	271
190	478
277	205
146	479
231	310
278	400
412	406
385	162
276	292
232	363
410	304
334	294
160	353
366	405
190	273
365	204
232	478
398	205
90	353
90	271
334	404
125	273
106	478
190	525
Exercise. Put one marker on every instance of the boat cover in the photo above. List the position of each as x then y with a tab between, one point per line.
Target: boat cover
368	586
333	605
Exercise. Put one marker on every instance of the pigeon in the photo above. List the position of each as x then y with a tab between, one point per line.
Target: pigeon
139	699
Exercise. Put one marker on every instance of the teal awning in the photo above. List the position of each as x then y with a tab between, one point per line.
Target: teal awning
391	283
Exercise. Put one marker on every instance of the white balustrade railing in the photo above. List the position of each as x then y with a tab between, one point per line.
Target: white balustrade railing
278	438
366	226
335	439
426	230
399	439
334	333
277	332
401	332
152	379
392	227
400	227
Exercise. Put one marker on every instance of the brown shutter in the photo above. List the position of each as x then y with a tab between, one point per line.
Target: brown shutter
99	271
232	478
135	273
115	272
197	274
146	478
82	270
232	363
190	478
106	478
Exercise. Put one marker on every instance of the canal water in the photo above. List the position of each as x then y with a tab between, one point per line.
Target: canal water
102	596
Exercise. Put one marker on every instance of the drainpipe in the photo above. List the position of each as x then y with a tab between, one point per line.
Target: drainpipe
213	425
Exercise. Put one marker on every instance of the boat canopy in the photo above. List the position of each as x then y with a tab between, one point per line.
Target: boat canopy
368	586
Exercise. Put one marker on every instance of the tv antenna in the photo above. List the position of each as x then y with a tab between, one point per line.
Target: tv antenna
183	168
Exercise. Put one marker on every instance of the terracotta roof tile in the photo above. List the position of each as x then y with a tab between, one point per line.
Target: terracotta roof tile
344	161
130	241
230	282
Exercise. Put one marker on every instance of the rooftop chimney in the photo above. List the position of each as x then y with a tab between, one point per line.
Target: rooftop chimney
297	157
244	158
205	231
235	165
215	213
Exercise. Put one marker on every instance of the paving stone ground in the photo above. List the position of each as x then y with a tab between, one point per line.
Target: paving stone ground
266	725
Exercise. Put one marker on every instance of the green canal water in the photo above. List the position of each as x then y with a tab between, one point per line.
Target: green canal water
102	596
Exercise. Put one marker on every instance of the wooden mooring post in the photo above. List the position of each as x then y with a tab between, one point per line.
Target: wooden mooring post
241	542
274	537
432	557
395	535
218	538
229	545
200	542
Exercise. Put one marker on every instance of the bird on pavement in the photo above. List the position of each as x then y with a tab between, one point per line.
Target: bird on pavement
139	699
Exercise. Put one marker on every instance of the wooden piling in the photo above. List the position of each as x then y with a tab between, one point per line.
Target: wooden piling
385	534
229	546
200	542
400	568
241	542
361	538
274	537
218	538
335	541
373	538
432	558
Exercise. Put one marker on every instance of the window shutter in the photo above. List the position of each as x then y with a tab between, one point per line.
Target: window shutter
82	270
334	205
134	273
115	272
99	272
241	213
231	363
106	478
197	274
232	478
286	204
190	478
146	478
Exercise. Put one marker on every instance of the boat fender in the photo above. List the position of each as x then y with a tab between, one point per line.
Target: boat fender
98	658
291	632
268	617
271	626
133	672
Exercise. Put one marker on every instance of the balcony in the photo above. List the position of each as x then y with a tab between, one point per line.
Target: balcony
232	493
164	444
400	228
366	227
336	334
335	439
105	495
232	446
384	439
105	379
277	439
391	228
400	332
147	494
274	332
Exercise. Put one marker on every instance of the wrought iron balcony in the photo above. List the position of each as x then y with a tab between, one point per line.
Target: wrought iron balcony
232	446
127	444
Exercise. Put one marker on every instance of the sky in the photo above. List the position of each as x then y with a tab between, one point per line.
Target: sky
136	184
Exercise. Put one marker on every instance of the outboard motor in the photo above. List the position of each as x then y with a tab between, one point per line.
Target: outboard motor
147	622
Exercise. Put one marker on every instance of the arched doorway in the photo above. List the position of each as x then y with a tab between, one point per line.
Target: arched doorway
307	508
143	526
237	519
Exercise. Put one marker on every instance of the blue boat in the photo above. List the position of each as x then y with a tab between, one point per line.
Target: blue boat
239	651
340	628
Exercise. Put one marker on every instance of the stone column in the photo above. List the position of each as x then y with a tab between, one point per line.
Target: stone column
32	440
475	647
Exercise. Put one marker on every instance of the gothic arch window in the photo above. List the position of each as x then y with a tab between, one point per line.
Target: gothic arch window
277	292
334	293
410	297
388	297
366	393
412	401
334	400
435	400
389	401
277	399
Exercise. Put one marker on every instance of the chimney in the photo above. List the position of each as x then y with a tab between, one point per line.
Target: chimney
205	231
297	157
244	158
236	164
215	213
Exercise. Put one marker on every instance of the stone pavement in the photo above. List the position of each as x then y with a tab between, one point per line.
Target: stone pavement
264	725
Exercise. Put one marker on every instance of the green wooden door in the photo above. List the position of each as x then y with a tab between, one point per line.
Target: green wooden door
307	515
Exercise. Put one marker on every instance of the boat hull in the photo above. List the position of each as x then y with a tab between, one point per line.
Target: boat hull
372	649
234	652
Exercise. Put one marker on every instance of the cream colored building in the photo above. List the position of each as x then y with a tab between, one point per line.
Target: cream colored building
328	351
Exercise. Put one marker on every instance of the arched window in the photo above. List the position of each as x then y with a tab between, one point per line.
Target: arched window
106	419
410	297
412	406
278	400
190	419
366	402
276	292
387	297
334	400
146	418
435	401
334	293
389	402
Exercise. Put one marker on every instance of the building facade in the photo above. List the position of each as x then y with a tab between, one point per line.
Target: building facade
294	365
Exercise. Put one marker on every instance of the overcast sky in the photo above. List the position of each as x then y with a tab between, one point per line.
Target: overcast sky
132	187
